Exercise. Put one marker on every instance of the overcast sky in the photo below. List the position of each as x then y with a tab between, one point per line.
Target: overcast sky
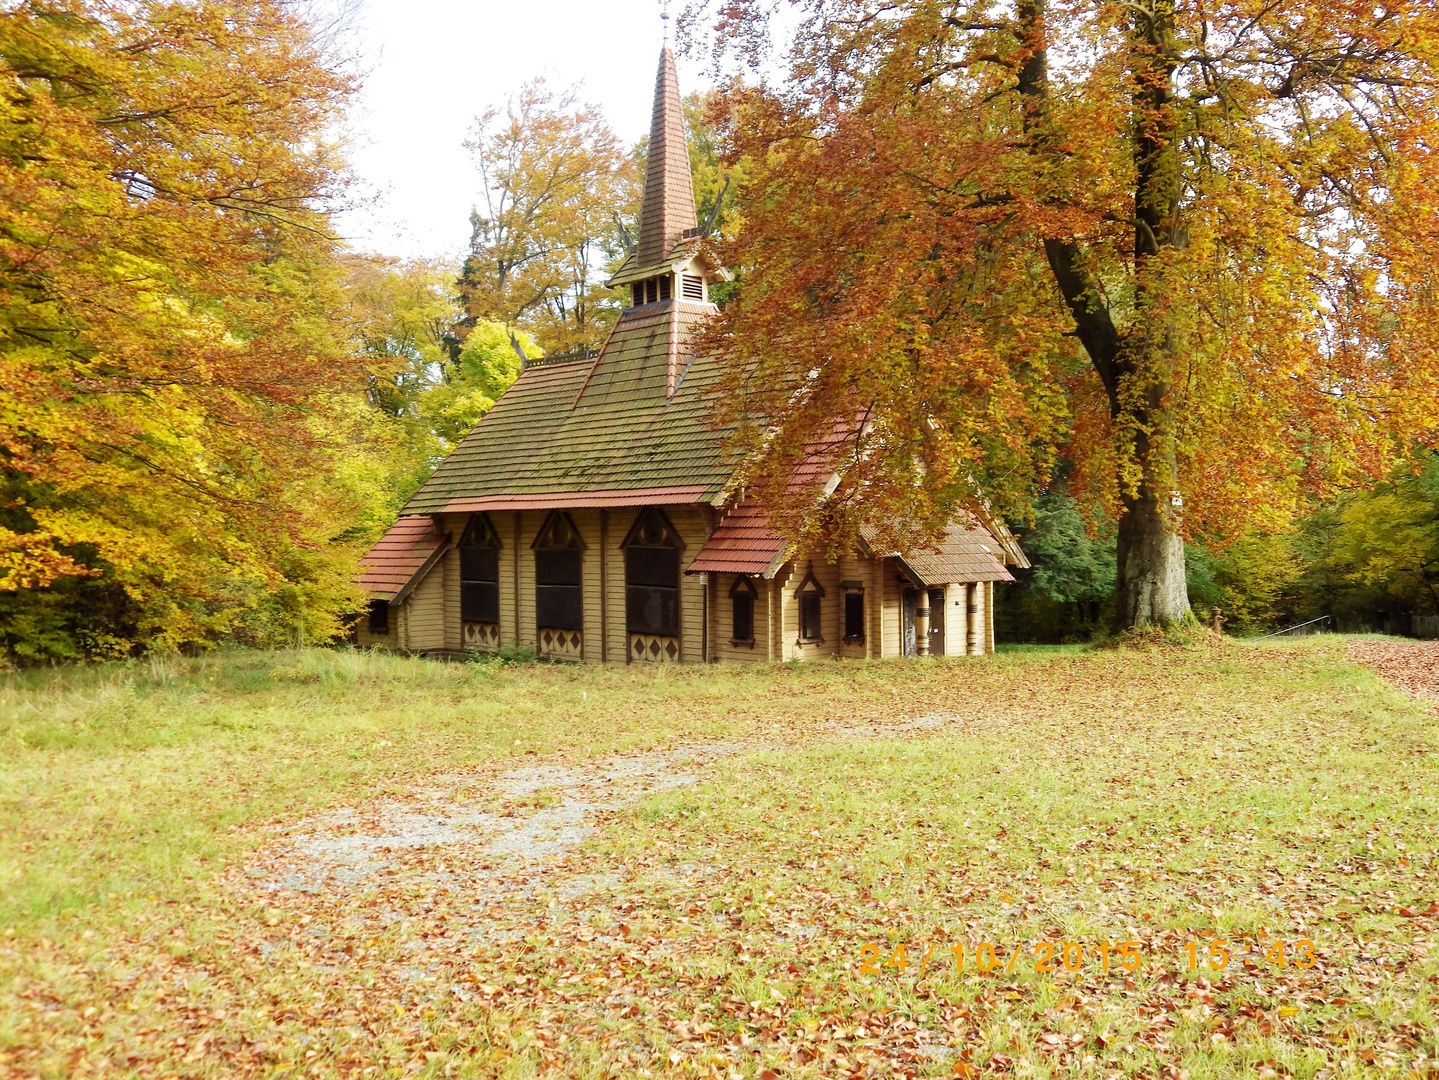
435	64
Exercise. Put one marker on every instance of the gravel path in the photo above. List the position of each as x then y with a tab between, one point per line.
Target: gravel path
524	814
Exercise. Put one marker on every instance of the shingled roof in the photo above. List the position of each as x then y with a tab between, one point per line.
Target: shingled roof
669	199
966	552
396	564
743	543
596	432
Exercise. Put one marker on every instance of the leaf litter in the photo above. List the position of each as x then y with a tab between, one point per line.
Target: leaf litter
701	910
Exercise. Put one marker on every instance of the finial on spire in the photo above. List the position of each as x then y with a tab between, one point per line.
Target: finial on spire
665	18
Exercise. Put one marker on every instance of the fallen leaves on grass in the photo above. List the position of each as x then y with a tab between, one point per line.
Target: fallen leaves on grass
714	927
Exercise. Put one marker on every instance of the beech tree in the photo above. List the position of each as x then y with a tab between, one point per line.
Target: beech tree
552	176
1186	243
174	397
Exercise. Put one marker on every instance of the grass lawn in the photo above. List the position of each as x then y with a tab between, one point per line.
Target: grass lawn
790	891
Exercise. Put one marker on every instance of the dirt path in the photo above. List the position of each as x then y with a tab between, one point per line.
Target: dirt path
1413	666
525	816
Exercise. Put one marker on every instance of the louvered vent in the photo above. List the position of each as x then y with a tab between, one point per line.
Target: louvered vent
694	288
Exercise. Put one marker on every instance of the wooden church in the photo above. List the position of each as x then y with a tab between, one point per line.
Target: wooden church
590	514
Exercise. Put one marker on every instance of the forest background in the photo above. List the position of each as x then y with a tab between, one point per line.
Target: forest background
210	408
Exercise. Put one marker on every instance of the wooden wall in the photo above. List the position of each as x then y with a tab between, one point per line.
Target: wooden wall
426	614
722	621
430	617
365	638
605	636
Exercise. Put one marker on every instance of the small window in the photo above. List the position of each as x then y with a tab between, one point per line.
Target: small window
652	576
652	290
809	628
742	608
665	287
379	616
480	572
693	288
637	293
854	616
810	594
559	568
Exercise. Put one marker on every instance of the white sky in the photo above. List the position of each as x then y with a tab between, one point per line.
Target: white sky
435	64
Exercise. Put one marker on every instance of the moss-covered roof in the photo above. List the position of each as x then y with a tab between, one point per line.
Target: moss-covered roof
601	425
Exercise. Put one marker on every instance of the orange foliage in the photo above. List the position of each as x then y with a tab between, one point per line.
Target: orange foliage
166	360
1189	245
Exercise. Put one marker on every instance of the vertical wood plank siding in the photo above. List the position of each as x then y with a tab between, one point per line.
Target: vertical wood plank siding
955	620
587	524
529	526
427	614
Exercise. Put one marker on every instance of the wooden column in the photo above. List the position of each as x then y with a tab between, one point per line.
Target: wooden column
604	585
517	580
874	611
989	616
770	617
971	619
921	622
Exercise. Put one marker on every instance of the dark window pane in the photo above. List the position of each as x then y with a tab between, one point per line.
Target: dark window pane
809	616
854	616
479	601
665	287
651	610
379	616
479	564
652	566
743	617
559	607
558	568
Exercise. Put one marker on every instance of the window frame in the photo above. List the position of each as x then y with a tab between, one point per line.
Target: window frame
557	536
742	590
810	595
854	597
479	536
653	532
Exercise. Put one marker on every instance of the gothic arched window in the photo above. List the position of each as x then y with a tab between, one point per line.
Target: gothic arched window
559	562
810	595
480	572
652	575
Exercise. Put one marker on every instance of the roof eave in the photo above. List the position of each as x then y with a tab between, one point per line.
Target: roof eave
419	575
685	253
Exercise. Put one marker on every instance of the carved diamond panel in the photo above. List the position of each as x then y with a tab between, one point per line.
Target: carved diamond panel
482	636
652	649
561	644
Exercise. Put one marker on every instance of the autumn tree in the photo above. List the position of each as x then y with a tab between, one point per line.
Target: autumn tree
1186	243
552	176
428	387
176	401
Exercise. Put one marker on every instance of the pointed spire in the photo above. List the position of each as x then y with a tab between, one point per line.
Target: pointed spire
668	208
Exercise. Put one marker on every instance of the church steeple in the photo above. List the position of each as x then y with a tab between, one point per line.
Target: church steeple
670	260
668	209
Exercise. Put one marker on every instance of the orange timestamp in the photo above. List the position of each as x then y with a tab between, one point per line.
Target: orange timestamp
986	957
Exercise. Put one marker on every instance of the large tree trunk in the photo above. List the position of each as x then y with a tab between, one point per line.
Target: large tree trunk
1151	586
1132	364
